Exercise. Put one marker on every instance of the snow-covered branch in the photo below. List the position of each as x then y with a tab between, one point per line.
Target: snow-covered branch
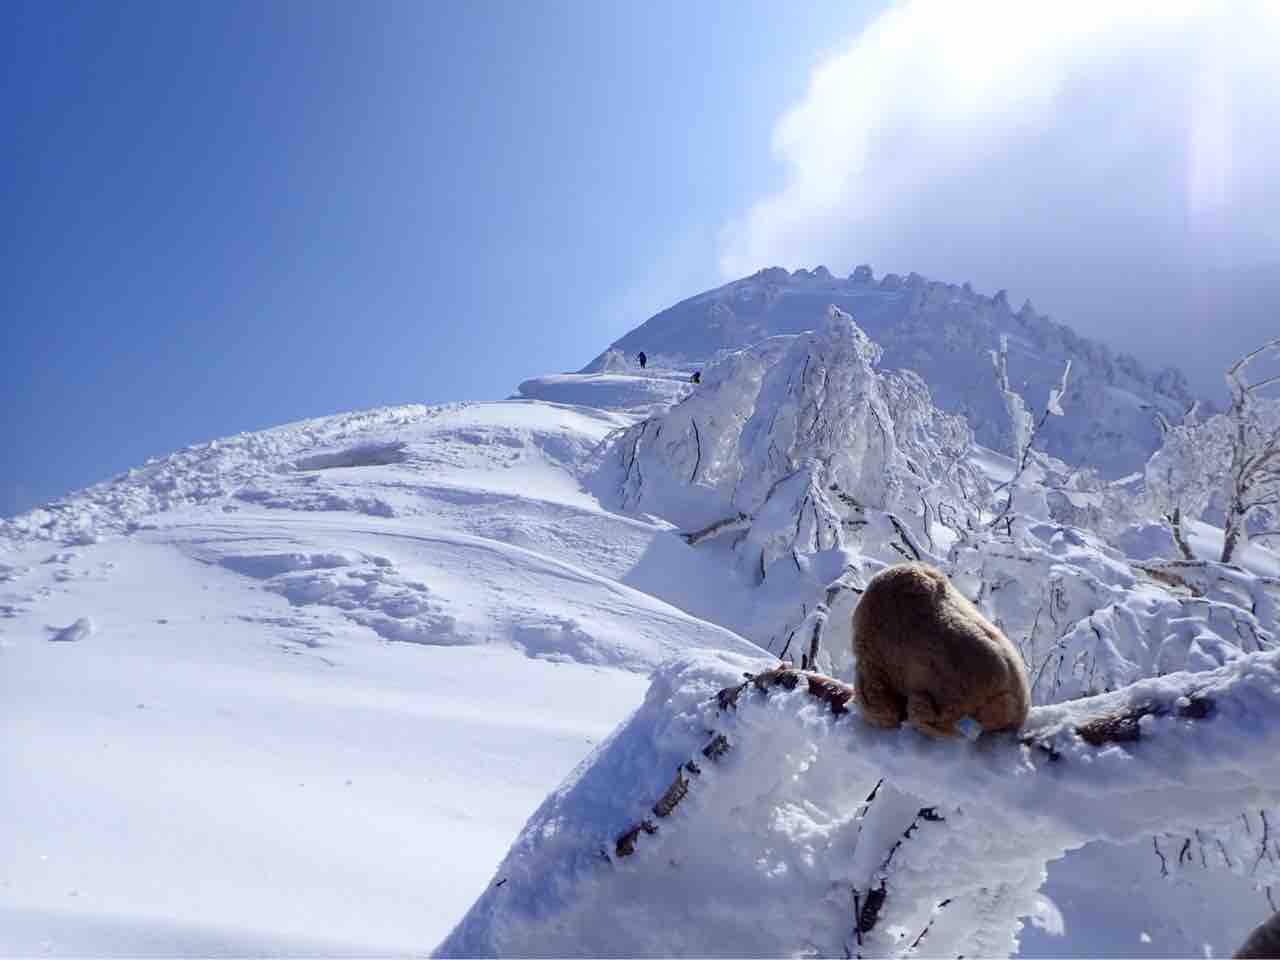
703	800
1024	427
1253	477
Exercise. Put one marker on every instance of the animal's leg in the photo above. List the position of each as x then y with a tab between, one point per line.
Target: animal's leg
925	715
1004	711
878	702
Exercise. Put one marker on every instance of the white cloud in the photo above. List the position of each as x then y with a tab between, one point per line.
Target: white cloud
995	140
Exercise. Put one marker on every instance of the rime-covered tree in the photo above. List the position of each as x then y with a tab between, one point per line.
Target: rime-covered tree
1024	428
1253	477
1183	475
1236	454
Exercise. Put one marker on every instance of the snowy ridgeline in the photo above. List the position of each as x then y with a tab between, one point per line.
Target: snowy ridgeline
243	467
774	823
943	332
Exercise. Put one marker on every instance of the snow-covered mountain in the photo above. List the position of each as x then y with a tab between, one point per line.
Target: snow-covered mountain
944	332
296	692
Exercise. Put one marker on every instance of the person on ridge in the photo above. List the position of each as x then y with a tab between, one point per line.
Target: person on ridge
643	359
697	377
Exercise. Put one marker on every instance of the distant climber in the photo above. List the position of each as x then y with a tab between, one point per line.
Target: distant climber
697	377
643	359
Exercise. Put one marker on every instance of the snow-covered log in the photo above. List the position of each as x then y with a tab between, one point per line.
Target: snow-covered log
767	818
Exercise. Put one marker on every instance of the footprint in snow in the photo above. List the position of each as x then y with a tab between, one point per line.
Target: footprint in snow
8	573
79	630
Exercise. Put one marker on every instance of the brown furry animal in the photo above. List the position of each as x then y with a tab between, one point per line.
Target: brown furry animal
927	656
1263	942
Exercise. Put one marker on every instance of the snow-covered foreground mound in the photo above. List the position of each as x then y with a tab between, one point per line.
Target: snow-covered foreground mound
767	819
294	692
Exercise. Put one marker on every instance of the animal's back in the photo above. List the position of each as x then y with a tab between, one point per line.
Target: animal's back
899	600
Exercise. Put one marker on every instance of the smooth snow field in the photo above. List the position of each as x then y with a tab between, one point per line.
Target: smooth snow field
309	715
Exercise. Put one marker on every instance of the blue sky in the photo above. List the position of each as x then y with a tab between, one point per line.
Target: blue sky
220	217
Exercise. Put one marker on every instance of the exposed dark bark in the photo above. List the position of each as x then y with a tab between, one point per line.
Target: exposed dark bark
840	697
728	524
697	438
907	539
1175	524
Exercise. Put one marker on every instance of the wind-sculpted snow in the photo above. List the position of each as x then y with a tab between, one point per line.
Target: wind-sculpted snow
804	832
374	463
212	471
644	392
943	332
442	588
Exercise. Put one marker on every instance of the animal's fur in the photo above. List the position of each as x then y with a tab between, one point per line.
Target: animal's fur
927	656
1263	942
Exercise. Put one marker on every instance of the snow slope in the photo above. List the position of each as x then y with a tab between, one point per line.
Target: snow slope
943	332
296	692
326	672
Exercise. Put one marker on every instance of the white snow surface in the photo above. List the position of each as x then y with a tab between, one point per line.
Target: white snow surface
635	390
320	675
296	692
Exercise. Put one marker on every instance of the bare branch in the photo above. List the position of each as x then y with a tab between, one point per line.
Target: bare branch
1252	355
738	521
907	539
698	440
1265	383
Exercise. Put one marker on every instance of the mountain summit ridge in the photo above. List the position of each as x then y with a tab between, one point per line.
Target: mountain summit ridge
944	332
